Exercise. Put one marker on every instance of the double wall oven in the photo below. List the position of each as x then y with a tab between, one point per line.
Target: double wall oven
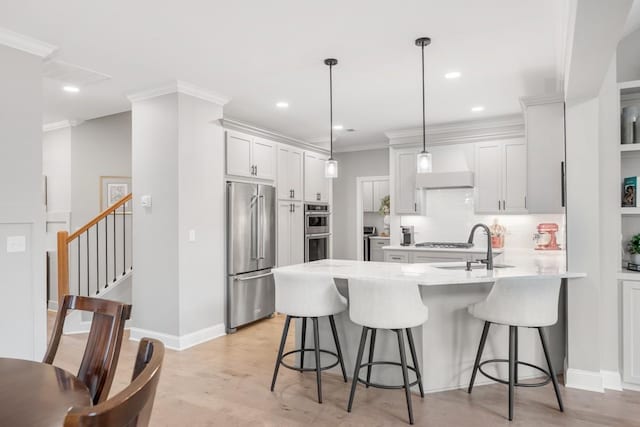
316	232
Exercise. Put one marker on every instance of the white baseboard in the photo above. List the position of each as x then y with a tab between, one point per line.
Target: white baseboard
611	380
632	387
183	342
584	380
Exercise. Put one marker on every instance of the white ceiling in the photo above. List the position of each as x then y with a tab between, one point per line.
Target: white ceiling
633	20
260	52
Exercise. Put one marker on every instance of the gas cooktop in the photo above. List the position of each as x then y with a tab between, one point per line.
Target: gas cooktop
445	245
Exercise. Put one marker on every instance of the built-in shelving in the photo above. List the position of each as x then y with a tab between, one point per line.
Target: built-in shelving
628	275
629	147
630	211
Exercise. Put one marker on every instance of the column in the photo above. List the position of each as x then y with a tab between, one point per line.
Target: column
178	241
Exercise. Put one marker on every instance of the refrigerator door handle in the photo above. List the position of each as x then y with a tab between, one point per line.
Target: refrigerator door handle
254	227
244	279
261	209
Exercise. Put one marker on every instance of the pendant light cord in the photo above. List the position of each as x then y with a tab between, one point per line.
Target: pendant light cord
424	113
331	112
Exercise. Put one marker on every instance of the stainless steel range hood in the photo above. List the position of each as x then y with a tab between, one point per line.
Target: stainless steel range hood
442	180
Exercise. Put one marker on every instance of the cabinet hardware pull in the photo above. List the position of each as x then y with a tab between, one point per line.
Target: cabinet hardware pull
499	208
256	166
562	184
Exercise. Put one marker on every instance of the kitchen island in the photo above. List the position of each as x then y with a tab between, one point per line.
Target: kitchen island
448	341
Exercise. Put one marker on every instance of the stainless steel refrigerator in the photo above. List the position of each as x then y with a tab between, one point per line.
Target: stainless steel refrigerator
251	252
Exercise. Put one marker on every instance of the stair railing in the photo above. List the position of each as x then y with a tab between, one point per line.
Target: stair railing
100	254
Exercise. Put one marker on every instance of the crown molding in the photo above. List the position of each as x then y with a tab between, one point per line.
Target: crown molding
360	147
179	86
26	44
554	98
60	125
468	131
232	124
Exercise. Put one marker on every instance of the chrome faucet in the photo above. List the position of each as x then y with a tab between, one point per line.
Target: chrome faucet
489	260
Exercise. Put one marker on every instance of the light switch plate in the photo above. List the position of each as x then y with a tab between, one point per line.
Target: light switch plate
145	201
192	235
16	244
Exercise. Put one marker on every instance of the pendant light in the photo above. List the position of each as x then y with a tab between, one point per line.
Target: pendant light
331	165
424	158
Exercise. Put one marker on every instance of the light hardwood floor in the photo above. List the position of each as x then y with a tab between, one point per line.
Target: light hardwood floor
225	382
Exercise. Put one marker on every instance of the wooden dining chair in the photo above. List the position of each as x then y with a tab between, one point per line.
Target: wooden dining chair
103	344
132	406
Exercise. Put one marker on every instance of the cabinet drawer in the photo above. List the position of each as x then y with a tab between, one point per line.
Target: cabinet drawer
391	256
379	243
431	258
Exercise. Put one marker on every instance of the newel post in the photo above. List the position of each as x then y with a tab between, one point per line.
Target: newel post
63	265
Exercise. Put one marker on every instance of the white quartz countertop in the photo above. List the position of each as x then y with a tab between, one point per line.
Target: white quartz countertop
380	237
412	248
526	263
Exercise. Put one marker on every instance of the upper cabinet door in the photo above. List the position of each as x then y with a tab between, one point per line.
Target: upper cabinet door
316	186
239	154
405	200
380	191
264	158
515	178
367	196
488	187
289	173
295	173
544	128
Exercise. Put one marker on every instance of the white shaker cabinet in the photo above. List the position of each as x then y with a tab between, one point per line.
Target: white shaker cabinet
249	156
501	177
405	195
316	186
289	173
372	194
290	242
544	130
631	331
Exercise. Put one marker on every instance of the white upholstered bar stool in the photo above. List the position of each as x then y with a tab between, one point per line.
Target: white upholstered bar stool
386	304
307	296
519	303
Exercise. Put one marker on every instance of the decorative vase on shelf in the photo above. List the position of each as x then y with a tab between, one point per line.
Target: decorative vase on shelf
386	221
635	259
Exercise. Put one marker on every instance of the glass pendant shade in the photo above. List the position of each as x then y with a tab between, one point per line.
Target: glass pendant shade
331	168
424	162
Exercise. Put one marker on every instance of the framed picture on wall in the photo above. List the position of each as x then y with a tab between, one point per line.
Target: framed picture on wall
112	189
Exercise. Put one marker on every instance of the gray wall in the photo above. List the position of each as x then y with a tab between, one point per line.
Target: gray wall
99	147
352	165
178	159
628	64
22	282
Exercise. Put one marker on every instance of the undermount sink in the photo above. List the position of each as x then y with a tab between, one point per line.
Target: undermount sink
473	267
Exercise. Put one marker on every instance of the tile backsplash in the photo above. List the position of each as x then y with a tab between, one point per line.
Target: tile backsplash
450	216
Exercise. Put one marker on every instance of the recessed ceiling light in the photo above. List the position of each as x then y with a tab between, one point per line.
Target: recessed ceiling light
337	127
453	75
71	89
477	108
282	104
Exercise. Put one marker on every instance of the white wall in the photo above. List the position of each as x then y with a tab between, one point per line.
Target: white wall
99	147
22	283
352	165
178	159
628	59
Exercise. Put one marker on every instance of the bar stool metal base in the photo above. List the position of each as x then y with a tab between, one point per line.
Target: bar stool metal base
316	349
513	366
403	364
303	369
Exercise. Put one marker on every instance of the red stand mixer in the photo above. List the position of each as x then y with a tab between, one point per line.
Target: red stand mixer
546	237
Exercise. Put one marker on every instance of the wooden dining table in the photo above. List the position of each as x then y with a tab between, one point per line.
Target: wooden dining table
37	394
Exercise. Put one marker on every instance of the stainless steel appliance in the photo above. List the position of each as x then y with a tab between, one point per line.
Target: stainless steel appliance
316	232
316	218
251	252
367	231
407	235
